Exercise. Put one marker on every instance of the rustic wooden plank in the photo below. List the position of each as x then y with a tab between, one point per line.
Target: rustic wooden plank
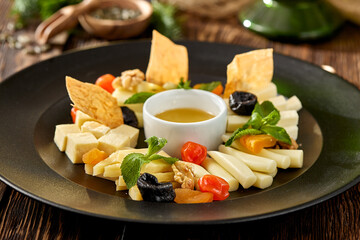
3	187
22	217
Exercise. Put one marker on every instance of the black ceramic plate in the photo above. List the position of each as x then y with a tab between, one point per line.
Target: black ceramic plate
34	100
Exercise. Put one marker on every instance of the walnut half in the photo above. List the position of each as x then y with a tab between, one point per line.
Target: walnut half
129	79
184	174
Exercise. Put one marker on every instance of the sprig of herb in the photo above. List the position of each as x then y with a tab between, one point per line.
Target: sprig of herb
140	97
209	86
132	163
184	84
263	120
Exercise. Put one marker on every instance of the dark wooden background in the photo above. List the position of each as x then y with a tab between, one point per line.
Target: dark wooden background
22	217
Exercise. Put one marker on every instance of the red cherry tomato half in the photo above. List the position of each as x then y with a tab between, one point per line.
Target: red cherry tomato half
216	185
193	152
73	113
105	81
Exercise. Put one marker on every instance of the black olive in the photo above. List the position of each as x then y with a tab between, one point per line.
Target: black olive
129	117
153	191
242	103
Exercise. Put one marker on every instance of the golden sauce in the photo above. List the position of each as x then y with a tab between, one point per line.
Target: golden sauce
184	115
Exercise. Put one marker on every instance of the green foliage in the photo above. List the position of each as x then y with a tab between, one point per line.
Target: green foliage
209	86
164	20
26	11
262	121
184	85
140	97
131	165
49	7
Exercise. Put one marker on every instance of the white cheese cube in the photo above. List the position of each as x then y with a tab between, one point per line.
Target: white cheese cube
235	121
135	194
266	93
95	128
121	95
131	132
81	117
288	118
111	142
292	131
112	170
115	157
88	169
279	102
78	144
165	176
293	103
61	132
120	184
157	166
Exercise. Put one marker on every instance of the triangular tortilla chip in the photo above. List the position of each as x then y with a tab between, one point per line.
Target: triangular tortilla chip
168	61
95	102
249	71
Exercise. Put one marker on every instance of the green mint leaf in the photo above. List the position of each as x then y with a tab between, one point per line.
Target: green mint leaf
272	118
140	97
183	85
169	160
132	163
155	144
239	134
277	132
255	121
264	109
209	86
130	168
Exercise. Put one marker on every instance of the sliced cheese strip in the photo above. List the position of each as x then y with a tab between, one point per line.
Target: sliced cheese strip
279	102
215	169
288	118
235	121
293	103
263	180
273	174
266	93
292	131
296	156
236	167
255	163
112	170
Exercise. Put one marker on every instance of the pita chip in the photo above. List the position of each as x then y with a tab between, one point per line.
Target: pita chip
95	102
168	61
249	71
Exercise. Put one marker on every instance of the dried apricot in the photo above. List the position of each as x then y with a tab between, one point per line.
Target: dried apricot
185	195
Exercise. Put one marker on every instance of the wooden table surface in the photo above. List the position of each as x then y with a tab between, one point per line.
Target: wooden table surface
22	217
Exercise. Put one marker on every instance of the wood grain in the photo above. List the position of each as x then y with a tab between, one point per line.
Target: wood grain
22	217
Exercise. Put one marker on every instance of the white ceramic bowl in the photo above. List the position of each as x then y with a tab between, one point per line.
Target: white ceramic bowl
207	133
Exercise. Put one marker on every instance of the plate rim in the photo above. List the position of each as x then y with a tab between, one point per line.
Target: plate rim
244	219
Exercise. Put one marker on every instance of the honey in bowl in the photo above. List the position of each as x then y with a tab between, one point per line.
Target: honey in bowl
184	115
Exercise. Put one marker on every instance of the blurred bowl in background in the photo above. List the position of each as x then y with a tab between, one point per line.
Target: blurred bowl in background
118	29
